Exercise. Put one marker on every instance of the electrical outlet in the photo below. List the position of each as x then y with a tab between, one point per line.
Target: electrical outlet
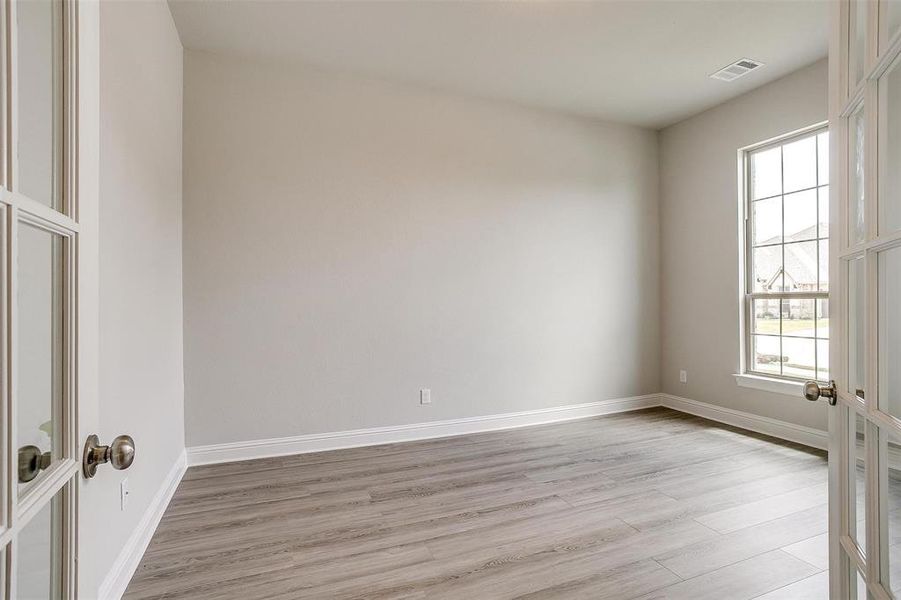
123	494
425	396
683	376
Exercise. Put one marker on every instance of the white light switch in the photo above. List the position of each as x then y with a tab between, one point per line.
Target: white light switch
425	396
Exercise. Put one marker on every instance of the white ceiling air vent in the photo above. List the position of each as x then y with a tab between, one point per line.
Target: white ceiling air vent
736	69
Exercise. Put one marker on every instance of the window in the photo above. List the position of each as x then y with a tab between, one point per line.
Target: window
786	300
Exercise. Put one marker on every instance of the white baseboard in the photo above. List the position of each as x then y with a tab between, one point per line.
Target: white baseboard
319	442
781	429
127	562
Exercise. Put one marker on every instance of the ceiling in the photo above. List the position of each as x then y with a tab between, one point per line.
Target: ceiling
644	62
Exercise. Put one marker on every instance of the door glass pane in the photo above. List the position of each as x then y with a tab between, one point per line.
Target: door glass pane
39	94
857	37
861	588
38	554
856	328
890	143
40	349
889	20
856	128
892	496
857	511
889	331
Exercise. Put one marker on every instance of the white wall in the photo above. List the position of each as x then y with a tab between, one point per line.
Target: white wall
699	241
348	242
141	359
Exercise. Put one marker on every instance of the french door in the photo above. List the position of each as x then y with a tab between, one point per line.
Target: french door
865	425
39	278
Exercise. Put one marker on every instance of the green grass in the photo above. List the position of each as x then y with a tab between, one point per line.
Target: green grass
771	326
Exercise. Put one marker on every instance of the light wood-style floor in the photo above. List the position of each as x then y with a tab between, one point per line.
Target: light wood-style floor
648	504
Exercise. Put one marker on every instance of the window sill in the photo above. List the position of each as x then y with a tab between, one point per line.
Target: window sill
770	384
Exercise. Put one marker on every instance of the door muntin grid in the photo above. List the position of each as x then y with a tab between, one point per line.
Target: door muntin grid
872	244
37	199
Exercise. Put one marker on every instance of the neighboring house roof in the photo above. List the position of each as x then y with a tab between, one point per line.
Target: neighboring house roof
800	266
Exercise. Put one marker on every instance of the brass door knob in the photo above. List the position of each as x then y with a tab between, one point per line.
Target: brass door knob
813	391
31	462
119	454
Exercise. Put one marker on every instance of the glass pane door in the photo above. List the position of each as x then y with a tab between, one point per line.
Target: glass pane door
40	351
866	478
37	299
38	569
39	100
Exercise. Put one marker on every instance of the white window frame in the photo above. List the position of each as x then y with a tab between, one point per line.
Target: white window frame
771	382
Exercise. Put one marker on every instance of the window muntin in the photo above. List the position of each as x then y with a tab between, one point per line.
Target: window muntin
787	280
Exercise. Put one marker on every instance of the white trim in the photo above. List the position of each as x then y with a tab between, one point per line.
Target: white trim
770	384
808	436
319	442
125	565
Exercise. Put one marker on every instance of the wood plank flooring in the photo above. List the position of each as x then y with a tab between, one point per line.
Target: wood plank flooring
650	504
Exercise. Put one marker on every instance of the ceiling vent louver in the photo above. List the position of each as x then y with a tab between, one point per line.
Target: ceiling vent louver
736	69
